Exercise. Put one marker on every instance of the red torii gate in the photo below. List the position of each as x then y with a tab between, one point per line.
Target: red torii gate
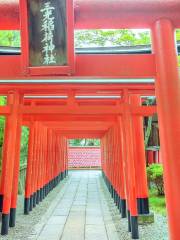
161	65
80	117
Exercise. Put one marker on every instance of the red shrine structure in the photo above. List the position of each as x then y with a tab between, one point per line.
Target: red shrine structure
60	94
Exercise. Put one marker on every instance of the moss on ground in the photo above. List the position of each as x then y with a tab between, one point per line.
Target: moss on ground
157	203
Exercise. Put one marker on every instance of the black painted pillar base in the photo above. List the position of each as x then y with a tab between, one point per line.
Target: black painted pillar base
119	204
26	206
134	227
111	190
129	221
34	199
61	176
123	208
117	200
12	219
115	197
5	224
1	202
113	193
55	182
143	205
41	194
46	190
37	196
31	203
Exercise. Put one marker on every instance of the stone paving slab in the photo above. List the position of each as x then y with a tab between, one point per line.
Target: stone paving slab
96	232
80	212
51	231
57	220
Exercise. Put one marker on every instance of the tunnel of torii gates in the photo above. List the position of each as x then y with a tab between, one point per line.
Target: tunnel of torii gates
53	102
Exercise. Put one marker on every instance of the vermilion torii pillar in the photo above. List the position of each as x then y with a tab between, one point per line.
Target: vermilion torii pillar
121	165
28	201
168	105
131	187
140	159
14	195
9	159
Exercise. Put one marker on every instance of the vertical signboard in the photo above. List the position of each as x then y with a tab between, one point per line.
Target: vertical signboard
47	32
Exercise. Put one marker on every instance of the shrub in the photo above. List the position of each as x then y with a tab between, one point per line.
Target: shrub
155	177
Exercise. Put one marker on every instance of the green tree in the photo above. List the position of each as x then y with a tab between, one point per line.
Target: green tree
123	37
10	38
2	125
24	144
84	142
155	177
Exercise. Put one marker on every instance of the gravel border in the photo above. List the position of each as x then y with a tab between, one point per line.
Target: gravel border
25	223
155	231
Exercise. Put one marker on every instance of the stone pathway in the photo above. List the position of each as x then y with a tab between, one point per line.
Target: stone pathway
84	210
81	212
80	208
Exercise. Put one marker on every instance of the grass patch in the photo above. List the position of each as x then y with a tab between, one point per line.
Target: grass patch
157	203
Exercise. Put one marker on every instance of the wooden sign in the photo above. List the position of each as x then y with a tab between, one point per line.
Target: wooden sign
50	39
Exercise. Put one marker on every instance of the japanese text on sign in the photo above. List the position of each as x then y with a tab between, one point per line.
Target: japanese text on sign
48	27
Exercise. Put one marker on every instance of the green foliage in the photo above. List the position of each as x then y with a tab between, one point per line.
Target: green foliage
2	100
179	60
155	177
178	34
101	38
97	37
24	145
157	203
2	122
2	125
84	142
24	142
10	38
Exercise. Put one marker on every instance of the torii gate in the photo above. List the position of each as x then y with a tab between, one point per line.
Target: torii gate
132	75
